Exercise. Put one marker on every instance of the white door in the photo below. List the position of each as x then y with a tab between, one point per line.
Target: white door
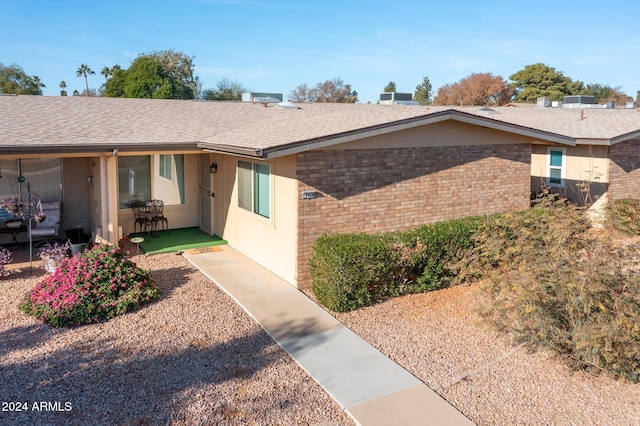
206	194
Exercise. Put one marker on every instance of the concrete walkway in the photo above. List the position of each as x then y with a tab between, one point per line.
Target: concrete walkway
370	387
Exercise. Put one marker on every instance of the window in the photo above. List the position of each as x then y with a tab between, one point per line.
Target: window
556	166
254	188
165	166
147	177
44	176
134	179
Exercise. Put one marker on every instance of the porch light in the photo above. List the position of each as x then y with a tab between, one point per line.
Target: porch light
213	168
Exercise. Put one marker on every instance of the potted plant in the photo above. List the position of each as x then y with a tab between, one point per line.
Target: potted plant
79	240
39	217
53	255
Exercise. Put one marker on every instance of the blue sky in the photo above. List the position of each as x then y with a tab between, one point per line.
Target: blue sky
275	45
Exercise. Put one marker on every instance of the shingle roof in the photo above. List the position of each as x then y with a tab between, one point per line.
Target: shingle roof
68	124
576	123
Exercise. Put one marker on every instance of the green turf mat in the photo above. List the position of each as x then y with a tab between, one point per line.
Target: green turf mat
176	239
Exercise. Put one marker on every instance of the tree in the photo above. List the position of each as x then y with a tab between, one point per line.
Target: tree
390	87
332	91
35	81
539	80
423	92
476	89
161	75
14	81
63	86
604	94
106	72
84	71
225	90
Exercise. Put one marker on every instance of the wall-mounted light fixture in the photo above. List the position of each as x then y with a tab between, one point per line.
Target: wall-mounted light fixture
213	168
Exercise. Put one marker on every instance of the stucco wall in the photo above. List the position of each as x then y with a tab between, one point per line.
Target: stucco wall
584	164
624	170
270	242
399	188
179	216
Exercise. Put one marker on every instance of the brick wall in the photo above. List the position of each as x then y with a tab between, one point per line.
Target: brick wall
624	170
401	188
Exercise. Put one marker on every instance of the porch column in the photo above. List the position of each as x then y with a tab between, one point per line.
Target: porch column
109	192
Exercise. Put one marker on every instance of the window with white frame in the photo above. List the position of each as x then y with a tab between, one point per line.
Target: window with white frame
556	166
254	187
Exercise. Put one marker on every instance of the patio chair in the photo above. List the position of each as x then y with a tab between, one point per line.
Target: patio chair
48	229
158	215
142	214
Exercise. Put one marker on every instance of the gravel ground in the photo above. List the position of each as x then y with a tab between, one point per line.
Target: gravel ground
440	338
194	357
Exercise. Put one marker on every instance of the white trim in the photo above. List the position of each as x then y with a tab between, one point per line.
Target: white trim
562	168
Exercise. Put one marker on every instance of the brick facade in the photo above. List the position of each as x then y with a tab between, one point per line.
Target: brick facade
390	189
624	170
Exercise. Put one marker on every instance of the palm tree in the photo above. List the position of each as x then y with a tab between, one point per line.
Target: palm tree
106	72
84	70
35	80
62	86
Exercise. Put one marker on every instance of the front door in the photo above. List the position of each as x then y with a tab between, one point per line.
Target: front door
206	194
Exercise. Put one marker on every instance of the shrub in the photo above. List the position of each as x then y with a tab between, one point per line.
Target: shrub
624	216
549	229
5	259
349	269
354	270
90	287
552	284
430	254
582	305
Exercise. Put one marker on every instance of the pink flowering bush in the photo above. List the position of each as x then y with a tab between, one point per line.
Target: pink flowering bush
5	259
92	286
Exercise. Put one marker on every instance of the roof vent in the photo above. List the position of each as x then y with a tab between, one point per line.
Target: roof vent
488	110
287	105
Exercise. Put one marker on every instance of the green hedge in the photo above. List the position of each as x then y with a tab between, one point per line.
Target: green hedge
354	270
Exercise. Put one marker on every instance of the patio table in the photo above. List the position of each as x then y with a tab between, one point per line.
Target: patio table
13	231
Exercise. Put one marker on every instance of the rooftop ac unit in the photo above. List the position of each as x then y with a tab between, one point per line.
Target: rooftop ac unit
580	99
262	97
394	97
543	102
